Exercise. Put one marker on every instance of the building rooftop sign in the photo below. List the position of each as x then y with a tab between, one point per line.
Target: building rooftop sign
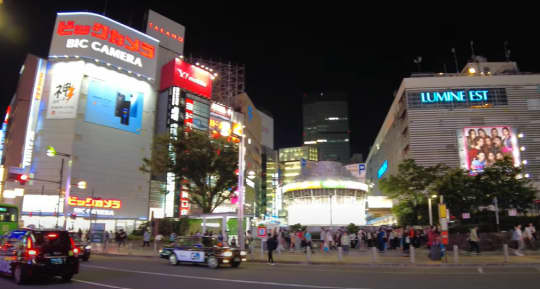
96	37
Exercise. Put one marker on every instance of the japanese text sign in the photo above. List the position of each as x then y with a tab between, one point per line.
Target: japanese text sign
97	37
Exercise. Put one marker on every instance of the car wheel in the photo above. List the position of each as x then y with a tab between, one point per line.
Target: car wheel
18	275
67	277
235	264
172	259
213	262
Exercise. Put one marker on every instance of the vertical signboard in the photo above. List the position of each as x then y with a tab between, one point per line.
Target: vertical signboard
64	91
33	114
169	33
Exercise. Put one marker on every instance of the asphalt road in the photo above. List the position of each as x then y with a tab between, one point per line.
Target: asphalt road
152	273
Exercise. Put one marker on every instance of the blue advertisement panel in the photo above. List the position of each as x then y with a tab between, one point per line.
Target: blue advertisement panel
115	107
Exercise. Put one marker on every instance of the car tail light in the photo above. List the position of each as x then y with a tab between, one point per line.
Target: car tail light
74	248
30	251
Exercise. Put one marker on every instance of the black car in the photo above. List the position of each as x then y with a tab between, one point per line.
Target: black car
202	250
85	249
32	253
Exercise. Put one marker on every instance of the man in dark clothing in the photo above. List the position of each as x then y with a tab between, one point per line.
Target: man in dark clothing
272	245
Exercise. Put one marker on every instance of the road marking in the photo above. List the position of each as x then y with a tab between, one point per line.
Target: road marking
218	279
480	270
99	284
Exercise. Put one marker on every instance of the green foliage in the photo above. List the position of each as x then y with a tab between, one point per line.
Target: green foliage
352	228
208	165
297	228
168	225
414	184
410	187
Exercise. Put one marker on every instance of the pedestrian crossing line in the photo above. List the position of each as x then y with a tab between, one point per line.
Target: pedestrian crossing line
99	284
219	279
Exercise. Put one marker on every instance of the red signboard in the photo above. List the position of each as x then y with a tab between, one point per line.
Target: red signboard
94	203
444	237
189	77
261	231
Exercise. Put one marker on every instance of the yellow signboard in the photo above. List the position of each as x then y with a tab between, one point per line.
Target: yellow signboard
442	211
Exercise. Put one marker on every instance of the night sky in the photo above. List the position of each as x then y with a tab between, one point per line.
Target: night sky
289	52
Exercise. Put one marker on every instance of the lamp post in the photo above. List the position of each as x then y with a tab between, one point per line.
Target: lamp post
51	152
430	210
241	192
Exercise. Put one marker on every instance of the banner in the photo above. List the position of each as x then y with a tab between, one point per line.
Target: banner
483	146
64	94
116	107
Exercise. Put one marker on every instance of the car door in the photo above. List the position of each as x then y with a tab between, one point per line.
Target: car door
182	249
197	251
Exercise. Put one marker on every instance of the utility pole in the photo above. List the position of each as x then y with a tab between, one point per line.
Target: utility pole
241	192
60	193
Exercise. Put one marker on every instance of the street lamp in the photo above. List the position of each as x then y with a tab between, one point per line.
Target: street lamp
51	152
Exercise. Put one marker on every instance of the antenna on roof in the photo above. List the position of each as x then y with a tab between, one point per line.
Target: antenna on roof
418	60
506	51
455	59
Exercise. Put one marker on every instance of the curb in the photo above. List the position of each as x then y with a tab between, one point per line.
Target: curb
371	265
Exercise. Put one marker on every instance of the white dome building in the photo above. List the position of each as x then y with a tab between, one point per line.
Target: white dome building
325	194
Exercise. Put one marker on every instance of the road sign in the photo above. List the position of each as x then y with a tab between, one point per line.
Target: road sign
444	237
261	231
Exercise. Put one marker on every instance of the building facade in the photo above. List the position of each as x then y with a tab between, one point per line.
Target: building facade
326	125
466	120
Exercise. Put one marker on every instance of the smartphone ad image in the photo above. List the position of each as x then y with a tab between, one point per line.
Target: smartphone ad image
114	107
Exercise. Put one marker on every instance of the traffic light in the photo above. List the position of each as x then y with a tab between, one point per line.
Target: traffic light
19	178
22	179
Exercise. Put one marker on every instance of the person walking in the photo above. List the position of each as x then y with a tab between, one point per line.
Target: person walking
528	236
307	237
345	242
272	245
474	240
146	238
517	240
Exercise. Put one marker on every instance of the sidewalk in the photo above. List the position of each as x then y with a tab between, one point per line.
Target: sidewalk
355	257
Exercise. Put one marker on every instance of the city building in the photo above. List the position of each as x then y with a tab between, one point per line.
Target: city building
269	173
358	171
325	194
84	114
326	125
466	120
292	160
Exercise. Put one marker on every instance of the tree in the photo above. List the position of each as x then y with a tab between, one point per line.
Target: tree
508	184
460	191
411	186
207	165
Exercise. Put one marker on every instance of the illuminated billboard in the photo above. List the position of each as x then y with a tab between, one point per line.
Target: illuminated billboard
64	90
108	105
483	146
94	36
189	77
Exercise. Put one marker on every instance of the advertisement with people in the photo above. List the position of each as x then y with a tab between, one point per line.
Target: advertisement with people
485	145
115	107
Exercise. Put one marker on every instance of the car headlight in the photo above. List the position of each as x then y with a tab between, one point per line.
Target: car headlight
243	253
88	247
227	254
160	251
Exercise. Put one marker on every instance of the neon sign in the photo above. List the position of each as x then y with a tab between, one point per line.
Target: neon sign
454	96
382	169
94	203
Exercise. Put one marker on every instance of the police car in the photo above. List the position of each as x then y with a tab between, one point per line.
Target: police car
32	253
202	250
